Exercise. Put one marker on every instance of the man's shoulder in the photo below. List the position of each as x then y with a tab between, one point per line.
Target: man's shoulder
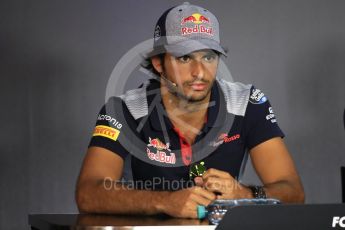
234	86
236	96
135	100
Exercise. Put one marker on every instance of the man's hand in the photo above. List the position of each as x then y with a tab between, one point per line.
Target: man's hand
183	203
222	184
274	166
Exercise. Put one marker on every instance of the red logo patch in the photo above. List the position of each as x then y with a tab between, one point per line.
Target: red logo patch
224	138
160	155
196	19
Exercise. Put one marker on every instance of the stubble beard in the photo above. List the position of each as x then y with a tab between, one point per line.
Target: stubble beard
191	99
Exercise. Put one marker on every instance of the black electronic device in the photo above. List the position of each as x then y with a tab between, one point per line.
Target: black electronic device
285	217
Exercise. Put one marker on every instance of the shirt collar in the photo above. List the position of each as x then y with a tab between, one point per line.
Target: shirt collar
217	108
157	114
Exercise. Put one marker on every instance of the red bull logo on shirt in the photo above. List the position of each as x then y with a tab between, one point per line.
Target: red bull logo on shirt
160	155
158	144
196	20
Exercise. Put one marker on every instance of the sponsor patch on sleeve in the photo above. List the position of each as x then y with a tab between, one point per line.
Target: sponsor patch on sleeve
257	97
110	119
271	117
106	131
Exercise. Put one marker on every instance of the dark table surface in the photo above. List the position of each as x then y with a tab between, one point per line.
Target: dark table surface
107	222
247	217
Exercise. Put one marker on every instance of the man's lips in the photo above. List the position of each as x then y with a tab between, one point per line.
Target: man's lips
198	86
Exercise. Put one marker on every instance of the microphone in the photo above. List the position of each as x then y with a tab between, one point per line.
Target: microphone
149	73
168	81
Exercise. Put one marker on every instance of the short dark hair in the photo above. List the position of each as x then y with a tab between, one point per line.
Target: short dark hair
151	68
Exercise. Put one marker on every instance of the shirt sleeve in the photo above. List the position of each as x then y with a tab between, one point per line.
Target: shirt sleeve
260	120
110	126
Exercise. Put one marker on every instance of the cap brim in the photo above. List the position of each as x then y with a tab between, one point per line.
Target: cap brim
154	52
191	45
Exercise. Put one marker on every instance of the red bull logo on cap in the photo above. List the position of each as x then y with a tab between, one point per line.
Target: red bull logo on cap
195	18
198	21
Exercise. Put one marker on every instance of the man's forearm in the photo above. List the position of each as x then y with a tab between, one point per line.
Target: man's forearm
285	191
111	197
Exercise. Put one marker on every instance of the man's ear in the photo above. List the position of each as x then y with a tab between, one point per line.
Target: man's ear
157	64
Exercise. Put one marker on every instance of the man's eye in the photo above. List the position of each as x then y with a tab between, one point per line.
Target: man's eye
209	58
185	58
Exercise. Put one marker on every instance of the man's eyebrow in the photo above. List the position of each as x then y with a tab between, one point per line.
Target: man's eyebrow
210	52
186	55
203	53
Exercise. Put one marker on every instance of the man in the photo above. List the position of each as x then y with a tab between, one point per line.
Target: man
207	124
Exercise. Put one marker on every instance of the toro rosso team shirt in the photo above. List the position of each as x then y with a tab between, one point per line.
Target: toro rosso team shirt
136	126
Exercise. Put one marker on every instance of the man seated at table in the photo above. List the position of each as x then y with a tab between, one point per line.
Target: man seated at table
181	123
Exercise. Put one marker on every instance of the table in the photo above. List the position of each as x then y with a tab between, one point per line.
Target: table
113	222
248	217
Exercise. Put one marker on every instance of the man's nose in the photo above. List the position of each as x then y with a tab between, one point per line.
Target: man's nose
198	70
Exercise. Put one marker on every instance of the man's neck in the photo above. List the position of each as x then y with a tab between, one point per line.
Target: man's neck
189	117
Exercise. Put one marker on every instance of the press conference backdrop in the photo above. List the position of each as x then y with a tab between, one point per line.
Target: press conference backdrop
57	56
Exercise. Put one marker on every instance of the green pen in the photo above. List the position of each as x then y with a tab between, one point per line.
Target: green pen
197	170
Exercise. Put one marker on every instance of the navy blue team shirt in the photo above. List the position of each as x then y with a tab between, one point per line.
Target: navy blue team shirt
135	126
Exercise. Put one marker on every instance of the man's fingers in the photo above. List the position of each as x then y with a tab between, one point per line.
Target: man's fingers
214	184
198	181
193	213
187	210
191	210
200	200
216	173
204	193
184	203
